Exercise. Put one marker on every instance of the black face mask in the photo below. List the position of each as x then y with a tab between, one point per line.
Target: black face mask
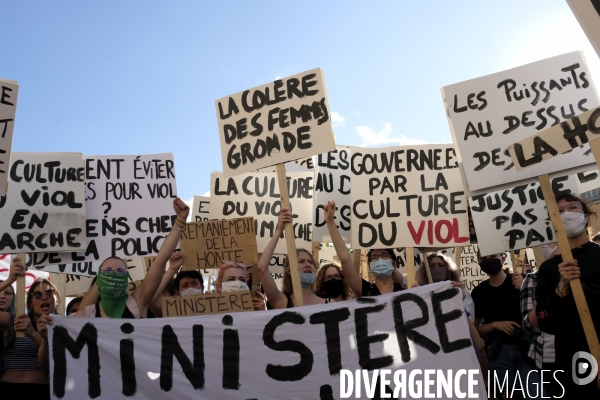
491	266
333	288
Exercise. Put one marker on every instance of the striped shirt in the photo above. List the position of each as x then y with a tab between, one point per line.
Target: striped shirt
22	354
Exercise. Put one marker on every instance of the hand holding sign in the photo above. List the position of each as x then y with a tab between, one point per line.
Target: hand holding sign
568	271
285	216
17	268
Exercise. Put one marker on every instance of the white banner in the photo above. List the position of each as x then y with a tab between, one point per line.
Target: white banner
256	194
44	208
129	208
489	113
408	196
332	183
9	91
303	353
201	209
274	123
515	218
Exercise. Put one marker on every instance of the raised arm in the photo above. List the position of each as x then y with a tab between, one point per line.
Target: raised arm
144	293
175	262
276	298
350	274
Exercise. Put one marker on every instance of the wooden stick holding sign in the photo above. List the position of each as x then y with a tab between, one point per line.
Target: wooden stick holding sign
316	246
21	298
427	270
357	264
409	254
522	259
565	251
290	239
457	256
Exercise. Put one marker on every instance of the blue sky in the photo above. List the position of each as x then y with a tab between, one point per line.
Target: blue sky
140	77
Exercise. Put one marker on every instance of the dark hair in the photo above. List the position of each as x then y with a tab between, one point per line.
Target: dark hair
596	237
320	280
188	274
572	198
72	303
389	251
34	285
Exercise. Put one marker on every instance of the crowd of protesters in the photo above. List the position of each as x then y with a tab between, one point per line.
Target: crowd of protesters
520	324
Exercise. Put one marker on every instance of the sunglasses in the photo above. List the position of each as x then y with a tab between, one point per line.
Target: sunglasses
48	293
118	270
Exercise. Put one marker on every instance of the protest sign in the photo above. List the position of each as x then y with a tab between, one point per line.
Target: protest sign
129	208
257	194
135	267
559	139
207	304
415	190
332	183
515	218
487	113
205	244
78	284
587	13
44	209
588	180
201	208
9	91
274	123
297	354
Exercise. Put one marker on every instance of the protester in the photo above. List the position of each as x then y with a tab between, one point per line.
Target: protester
383	264
556	310
306	269
7	304
497	302
73	305
443	268
232	278
23	373
330	283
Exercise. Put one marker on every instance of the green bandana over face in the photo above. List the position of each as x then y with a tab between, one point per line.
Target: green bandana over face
113	290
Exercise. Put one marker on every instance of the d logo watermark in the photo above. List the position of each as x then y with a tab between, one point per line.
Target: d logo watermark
584	367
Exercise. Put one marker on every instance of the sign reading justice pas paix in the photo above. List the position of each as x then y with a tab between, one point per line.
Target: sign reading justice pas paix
408	197
489	113
274	123
420	336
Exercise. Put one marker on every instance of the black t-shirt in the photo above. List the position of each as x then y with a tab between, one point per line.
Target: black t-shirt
559	316
370	289
500	303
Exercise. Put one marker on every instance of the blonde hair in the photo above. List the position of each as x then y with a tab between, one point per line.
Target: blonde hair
287	287
452	273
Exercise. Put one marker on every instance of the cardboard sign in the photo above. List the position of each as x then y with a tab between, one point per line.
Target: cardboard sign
587	13
559	139
253	355
44	209
516	218
9	91
274	123
256	194
489	113
332	183
201	208
205	244
207	304
408	196
129	207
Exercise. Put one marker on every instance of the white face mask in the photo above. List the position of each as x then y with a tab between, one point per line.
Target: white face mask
191	292
573	222
233	286
548	249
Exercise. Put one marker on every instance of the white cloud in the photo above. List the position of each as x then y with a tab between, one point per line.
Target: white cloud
384	138
337	119
207	194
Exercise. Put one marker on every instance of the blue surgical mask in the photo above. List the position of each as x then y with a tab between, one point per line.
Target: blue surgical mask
307	279
381	268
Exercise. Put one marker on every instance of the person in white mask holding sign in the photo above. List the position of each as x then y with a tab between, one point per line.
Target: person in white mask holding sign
232	278
556	311
306	268
382	263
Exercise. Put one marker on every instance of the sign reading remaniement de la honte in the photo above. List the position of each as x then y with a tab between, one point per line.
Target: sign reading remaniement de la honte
274	123
9	91
302	353
44	209
489	113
